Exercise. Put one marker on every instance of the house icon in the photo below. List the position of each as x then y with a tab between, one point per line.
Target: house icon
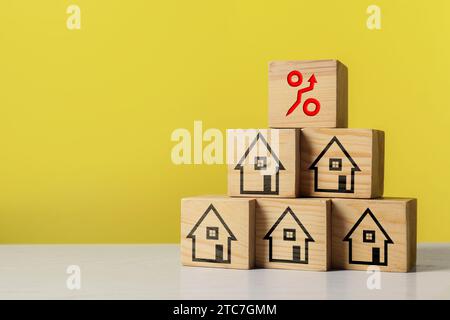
259	159
334	161
215	238
372	241
289	232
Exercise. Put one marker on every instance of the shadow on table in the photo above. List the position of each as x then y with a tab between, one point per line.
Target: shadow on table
433	258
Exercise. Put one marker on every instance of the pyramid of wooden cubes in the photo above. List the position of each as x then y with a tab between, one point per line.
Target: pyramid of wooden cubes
306	193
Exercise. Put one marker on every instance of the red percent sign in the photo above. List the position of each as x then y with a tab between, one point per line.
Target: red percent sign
293	82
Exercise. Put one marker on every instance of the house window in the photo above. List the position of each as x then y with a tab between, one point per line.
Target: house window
289	234
212	233
260	163
335	164
369	236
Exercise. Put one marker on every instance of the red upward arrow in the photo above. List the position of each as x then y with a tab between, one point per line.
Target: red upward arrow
312	81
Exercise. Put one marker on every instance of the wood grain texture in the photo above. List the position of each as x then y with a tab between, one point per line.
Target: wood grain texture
377	164
330	90
392	246
275	216
411	216
342	96
279	178
232	221
359	158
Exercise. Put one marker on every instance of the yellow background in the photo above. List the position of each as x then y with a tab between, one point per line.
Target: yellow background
86	115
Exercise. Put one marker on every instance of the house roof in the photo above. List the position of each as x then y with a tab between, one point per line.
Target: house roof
363	216
324	151
252	145
283	215
199	222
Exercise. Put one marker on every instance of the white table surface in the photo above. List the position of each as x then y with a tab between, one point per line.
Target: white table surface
154	272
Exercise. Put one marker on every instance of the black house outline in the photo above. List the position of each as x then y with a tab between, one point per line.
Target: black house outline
231	237
341	188
266	184
387	241
307	240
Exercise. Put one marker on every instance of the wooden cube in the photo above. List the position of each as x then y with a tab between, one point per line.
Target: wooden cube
293	234
264	162
342	163
307	94
217	231
379	232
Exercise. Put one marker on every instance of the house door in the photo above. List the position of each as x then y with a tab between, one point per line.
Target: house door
296	253
219	252
375	255
267	183
342	183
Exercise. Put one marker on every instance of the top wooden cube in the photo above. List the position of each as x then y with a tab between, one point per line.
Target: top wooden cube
309	93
